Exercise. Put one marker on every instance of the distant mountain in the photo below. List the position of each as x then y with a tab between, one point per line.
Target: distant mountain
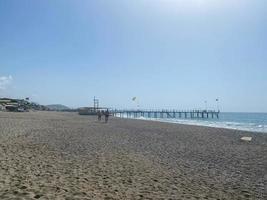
57	107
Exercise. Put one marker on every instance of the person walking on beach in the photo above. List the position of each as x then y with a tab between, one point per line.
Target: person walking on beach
106	116
99	115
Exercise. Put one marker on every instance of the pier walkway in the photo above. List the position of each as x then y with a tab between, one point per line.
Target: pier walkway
166	113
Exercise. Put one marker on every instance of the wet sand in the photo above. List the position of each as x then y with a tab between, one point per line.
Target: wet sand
49	155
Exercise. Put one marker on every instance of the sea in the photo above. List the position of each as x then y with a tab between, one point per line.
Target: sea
254	122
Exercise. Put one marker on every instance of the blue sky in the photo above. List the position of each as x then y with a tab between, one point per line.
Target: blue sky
167	53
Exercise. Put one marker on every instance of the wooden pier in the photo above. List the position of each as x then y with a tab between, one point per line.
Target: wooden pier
193	114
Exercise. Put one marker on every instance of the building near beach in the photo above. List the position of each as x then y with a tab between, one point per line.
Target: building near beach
2	107
19	105
90	110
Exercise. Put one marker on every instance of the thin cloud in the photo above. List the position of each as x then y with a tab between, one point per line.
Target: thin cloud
5	81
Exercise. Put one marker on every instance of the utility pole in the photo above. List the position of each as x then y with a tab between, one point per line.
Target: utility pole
96	103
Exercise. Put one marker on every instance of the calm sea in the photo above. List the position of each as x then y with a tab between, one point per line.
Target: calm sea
241	121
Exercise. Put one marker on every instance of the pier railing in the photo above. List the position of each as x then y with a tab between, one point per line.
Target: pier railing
165	113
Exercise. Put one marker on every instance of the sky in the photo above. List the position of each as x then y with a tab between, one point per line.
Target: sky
167	53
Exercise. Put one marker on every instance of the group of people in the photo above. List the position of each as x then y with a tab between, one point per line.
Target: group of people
103	113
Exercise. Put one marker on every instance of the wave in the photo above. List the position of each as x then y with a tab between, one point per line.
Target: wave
236	121
217	124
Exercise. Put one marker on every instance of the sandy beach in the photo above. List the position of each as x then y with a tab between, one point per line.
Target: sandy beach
56	155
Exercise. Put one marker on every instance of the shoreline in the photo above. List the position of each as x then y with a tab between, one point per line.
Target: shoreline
54	155
191	123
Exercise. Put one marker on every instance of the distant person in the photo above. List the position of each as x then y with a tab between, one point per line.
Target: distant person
99	115
106	116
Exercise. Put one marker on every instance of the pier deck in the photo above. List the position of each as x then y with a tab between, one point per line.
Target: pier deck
166	113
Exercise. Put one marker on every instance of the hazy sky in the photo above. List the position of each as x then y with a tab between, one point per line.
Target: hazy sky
167	53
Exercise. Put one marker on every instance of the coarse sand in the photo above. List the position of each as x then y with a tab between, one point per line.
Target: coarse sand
60	155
